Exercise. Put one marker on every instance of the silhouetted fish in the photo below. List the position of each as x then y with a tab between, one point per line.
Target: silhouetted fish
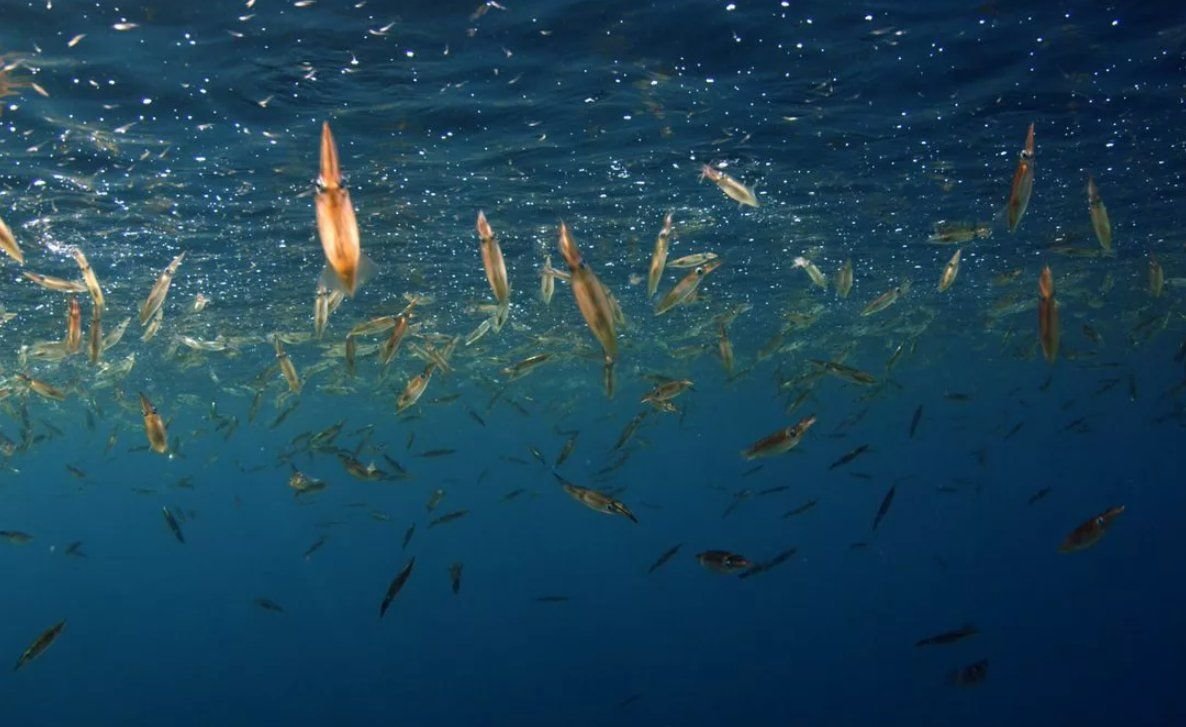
884	507
40	644
396	584
171	521
667	555
948	637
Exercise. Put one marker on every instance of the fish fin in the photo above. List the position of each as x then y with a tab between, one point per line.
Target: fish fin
365	271
330	281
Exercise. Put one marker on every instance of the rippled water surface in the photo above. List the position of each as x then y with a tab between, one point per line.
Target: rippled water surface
952	453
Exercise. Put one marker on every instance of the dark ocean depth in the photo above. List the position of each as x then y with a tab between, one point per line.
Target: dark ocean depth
788	504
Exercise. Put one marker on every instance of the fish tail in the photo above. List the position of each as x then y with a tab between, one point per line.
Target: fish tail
330	281
365	270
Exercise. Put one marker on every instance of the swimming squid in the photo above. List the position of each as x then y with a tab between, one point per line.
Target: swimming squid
156	297
1090	532
950	270
154	427
88	278
9	245
1023	182
844	279
1048	333
781	441
591	298
732	188
722	561
1099	216
659	257
683	290
347	267
496	269
73	326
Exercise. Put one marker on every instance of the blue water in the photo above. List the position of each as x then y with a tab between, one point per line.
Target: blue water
860	126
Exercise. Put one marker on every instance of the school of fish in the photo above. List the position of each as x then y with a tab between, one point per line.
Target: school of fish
413	354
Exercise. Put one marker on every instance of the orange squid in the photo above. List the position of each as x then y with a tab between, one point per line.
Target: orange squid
1047	315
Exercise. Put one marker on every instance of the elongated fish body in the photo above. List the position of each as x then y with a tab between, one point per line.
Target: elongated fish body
1156	277
116	334
781	441
598	501
95	336
885	300
725	347
732	188
73	326
547	281
684	289
160	289
1099	216
9	245
397	584
56	284
1048	330
951	233
350	348
347	268
844	279
659	257
590	296
722	561
884	507
154	427
40	644
950	270
414	389
526	365
391	345
1023	182
88	277
662	559
43	389
847	373
1089	533
492	261
455	577
694	260
666	391
174	526
817	276
287	368
320	312
948	637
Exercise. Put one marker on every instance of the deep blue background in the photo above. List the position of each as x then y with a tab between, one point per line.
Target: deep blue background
860	125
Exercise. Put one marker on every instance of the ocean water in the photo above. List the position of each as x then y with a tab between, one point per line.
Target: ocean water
156	129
